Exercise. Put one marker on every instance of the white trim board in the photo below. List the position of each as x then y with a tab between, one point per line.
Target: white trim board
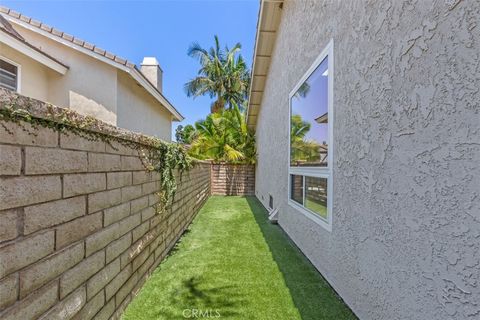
32	53
19	72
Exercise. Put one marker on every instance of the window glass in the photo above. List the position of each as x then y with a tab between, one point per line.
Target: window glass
8	75
316	195
296	186
309	120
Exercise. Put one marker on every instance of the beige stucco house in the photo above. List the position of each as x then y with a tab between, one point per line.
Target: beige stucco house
42	62
368	137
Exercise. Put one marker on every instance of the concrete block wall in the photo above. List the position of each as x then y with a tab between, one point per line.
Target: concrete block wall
79	233
233	179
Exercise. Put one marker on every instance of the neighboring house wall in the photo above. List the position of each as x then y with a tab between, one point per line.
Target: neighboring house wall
406	226
36	84
90	87
139	111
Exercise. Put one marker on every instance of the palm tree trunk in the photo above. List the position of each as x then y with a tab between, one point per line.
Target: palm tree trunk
217	106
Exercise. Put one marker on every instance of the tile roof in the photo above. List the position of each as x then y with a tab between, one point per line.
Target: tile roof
6	27
66	36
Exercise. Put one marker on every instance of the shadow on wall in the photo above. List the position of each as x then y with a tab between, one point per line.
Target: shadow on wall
90	107
311	294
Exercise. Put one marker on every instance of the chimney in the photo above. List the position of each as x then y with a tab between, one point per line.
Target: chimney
152	71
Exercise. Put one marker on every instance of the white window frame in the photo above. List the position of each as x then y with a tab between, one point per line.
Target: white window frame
19	72
315	171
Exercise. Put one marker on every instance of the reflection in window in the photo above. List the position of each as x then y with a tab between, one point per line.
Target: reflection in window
316	195
309	120
296	186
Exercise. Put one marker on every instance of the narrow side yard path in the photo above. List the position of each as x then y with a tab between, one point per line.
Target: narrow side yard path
233	264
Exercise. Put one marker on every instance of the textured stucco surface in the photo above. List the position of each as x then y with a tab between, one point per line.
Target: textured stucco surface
405	242
36	86
138	110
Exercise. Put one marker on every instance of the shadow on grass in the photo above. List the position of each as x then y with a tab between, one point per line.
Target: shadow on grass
311	294
194	297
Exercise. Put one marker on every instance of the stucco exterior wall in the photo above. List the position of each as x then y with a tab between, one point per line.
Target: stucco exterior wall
139	111
406	211
36	84
89	86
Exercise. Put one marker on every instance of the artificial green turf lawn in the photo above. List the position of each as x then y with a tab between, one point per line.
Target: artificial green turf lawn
233	264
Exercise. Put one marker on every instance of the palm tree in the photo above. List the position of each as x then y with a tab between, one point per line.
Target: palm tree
223	75
224	136
302	150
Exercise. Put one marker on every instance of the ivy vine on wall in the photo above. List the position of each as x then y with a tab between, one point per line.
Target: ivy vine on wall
156	155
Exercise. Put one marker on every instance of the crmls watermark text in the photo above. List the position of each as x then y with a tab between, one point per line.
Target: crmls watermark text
198	313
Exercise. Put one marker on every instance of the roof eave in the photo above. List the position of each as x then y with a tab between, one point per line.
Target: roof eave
267	25
32	52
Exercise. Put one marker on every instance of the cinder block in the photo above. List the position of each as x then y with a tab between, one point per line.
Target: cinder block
49	214
131	192
75	142
68	307
78	229
91	308
112	288
118	148
100	239
10	160
77	184
118	179
49	161
132	163
8	290
144	268
71	279
128	224
34	305
103	162
147	213
27	135
140	259
42	272
106	199
150	187
153	199
106	311
26	251
142	176
125	290
8	224
139	204
118	246
139	231
137	248
116	213
22	191
104	276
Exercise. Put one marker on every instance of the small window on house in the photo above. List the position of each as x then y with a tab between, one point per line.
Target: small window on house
8	75
270	202
311	114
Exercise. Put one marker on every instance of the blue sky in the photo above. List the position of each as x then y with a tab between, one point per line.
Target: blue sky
164	29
